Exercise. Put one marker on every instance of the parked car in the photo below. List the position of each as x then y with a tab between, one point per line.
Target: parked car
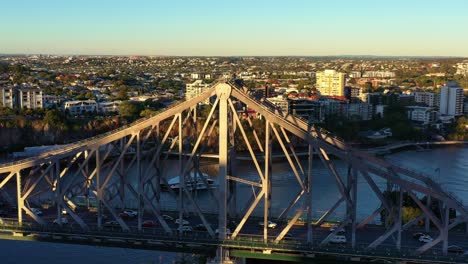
168	217
36	211
63	222
184	222
131	213
455	249
112	223
425	239
335	227
148	223
184	229
418	235
200	227
338	239
270	224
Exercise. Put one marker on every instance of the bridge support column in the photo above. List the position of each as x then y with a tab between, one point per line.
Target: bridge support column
222	257
427	222
20	200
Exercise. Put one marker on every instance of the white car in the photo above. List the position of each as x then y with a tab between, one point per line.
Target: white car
184	229
36	211
270	224
184	222
338	239
130	213
168	217
425	239
64	221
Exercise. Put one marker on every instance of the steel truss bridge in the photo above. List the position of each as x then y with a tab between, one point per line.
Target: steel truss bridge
98	168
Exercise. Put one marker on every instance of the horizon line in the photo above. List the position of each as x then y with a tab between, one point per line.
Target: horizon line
220	56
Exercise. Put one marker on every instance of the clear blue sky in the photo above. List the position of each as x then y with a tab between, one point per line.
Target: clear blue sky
235	27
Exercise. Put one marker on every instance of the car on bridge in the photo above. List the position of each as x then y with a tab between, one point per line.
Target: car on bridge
184	229
168	217
128	214
425	239
270	224
338	239
455	249
200	227
184	222
148	223
112	223
64	221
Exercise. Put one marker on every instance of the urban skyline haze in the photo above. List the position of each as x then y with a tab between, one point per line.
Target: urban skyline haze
235	28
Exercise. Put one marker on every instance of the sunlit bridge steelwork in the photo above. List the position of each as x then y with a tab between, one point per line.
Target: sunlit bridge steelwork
97	170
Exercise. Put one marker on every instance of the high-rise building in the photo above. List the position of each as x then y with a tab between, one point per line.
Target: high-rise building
330	82
427	98
451	99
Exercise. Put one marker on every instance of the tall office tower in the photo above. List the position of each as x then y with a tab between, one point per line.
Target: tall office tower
451	99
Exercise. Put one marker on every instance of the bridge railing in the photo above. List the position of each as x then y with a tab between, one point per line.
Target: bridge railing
243	241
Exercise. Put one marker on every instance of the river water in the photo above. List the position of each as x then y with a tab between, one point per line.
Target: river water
448	166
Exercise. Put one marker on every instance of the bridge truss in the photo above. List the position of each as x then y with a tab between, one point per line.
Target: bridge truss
99	168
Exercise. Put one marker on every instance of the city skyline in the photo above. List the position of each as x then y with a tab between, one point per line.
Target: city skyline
240	28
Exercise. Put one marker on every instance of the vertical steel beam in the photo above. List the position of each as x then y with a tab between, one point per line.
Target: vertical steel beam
98	188
223	95
181	176
427	221
309	195
445	229
400	218
58	191
19	198
140	181
266	182
354	176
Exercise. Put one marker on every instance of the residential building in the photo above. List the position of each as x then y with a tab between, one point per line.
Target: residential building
451	99
81	106
195	89
427	98
7	97
352	92
422	114
28	97
462	68
109	107
330	82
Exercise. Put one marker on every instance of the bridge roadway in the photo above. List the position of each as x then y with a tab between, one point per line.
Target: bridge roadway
250	239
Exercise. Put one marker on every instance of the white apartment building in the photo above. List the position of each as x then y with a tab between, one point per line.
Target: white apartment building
109	107
427	98
379	74
30	98
81	106
195	89
6	97
330	82
462	68
422	114
451	99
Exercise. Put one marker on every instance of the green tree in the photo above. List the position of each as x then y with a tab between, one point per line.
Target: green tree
128	109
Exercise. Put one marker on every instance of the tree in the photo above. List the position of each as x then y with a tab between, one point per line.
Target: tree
128	109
